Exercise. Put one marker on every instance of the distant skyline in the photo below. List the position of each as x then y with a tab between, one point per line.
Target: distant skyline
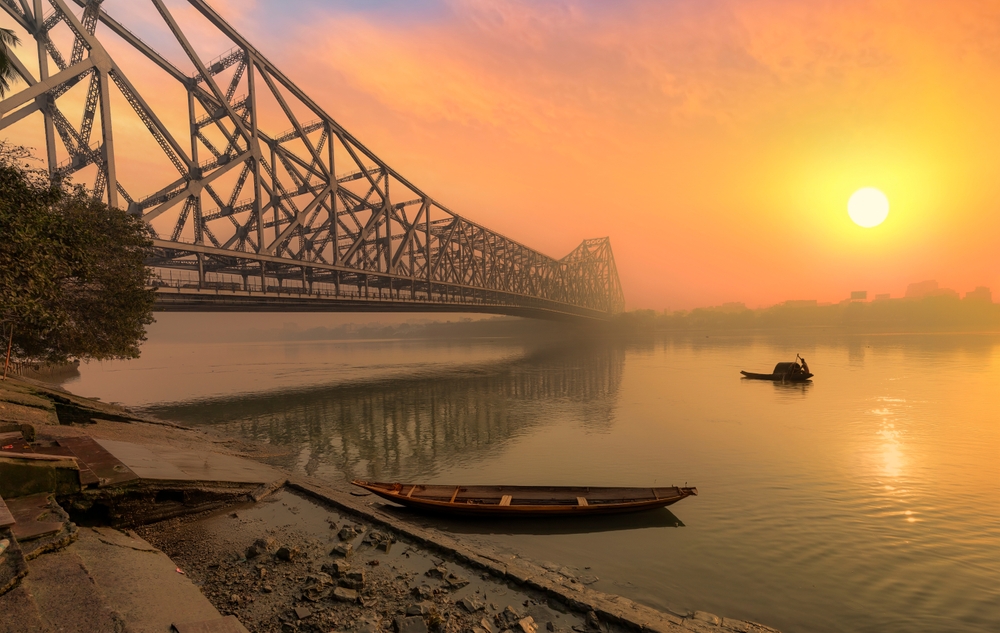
716	142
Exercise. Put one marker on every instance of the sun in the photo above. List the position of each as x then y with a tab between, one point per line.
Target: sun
868	207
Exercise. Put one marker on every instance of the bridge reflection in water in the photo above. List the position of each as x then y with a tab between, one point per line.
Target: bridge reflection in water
415	427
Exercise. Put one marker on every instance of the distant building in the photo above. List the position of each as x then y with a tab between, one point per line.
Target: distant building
882	297
800	303
928	288
982	293
859	295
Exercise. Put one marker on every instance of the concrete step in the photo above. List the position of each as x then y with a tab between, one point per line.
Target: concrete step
108	581
140	582
67	599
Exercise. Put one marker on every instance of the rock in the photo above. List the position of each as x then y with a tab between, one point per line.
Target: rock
301	613
707	617
469	604
456	582
526	625
588	579
344	550
384	546
423	591
593	622
509	616
421	608
486	625
319	578
353	579
366	627
337	568
413	624
343	594
267	588
549	626
286	553
436	572
347	533
316	593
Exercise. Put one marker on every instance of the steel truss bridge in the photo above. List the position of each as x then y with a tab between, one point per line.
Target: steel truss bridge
265	202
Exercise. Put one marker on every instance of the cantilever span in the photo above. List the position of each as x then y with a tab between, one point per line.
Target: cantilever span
262	201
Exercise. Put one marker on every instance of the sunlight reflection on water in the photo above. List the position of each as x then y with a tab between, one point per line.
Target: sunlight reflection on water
865	501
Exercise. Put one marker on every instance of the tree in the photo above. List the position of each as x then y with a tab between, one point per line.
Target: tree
8	75
72	273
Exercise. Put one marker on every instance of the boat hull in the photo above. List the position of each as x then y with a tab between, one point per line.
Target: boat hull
777	377
511	501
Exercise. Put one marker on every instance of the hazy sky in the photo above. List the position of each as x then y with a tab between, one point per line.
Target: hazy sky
715	141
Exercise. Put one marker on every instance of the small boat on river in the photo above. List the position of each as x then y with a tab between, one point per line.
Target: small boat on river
795	371
526	500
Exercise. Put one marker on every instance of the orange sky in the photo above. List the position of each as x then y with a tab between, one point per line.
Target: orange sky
716	142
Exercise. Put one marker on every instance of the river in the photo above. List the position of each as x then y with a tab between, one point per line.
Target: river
868	500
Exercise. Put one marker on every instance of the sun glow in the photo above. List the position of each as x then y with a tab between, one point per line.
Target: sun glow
868	207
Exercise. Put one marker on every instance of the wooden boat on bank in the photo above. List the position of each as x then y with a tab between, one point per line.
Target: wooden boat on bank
525	500
785	372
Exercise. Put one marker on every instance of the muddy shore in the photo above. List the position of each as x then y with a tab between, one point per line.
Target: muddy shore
307	555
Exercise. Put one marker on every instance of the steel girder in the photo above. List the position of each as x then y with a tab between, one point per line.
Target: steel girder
256	218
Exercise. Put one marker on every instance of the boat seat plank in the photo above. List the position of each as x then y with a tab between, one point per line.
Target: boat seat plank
454	494
581	501
505	500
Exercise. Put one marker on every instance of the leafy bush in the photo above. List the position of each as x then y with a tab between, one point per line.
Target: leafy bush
72	273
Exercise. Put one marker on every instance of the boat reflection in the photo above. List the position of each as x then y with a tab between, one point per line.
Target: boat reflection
651	519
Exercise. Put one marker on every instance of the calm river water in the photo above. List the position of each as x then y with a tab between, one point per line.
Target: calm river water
866	501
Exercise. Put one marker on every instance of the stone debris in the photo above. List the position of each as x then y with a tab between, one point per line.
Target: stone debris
286	553
421	608
436	572
353	579
456	582
337	568
508	617
261	546
423	591
347	533
343	594
412	624
470	604
486	625
526	625
343	550
301	613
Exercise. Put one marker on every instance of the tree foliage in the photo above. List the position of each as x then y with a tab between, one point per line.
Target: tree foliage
72	273
8	39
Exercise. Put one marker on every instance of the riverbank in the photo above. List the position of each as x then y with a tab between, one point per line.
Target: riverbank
292	553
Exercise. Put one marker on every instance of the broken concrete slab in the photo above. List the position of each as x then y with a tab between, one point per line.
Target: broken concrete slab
228	624
33	543
13	567
143	586
33	517
61	585
27	474
6	518
157	462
